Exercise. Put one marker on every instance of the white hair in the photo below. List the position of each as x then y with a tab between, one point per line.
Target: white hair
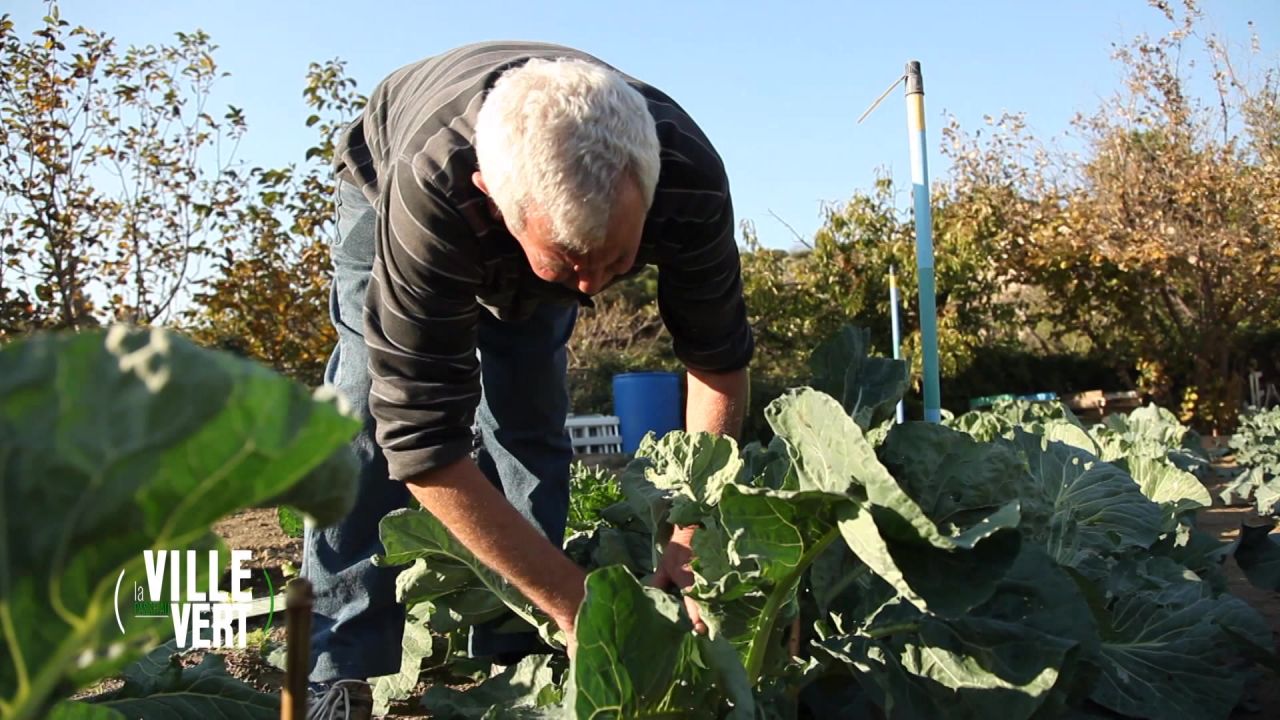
557	136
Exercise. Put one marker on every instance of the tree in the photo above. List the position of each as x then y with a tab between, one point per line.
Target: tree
1166	246
269	295
110	171
797	300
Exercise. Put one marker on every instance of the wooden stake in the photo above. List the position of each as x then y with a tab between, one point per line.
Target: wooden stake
293	696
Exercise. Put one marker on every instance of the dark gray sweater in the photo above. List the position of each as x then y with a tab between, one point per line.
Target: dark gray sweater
441	257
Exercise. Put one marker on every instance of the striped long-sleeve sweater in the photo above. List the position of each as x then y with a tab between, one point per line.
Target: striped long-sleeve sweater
442	258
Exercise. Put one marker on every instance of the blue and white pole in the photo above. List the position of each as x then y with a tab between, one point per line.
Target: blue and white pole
899	412
924	242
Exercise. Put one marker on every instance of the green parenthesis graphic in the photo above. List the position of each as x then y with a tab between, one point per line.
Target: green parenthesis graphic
271	608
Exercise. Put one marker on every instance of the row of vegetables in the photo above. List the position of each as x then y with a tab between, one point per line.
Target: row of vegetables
1012	562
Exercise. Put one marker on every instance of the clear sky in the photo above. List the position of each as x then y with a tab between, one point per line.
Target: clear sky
776	86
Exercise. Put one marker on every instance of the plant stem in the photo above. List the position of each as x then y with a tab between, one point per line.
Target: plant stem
35	698
783	590
838	586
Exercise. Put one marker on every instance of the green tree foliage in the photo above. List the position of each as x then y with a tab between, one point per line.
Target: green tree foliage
111	169
1160	243
1156	247
798	299
269	295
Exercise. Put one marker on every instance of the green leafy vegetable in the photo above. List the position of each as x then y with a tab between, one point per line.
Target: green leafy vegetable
116	442
591	490
1256	445
637	657
1014	563
526	689
449	575
867	387
160	688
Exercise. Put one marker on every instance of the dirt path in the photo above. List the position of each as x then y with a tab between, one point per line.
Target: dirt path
259	532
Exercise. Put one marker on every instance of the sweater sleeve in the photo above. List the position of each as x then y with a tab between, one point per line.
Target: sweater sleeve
420	323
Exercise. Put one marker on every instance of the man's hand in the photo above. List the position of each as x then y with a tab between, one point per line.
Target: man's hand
566	615
673	569
570	643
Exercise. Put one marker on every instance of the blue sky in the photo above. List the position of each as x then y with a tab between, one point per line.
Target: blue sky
776	86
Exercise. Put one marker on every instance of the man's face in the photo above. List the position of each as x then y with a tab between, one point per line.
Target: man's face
591	272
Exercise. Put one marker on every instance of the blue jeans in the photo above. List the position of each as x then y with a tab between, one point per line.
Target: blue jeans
523	450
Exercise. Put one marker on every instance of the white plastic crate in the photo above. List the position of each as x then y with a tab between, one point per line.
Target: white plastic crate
594	434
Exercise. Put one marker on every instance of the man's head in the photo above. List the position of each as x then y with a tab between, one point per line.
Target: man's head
568	154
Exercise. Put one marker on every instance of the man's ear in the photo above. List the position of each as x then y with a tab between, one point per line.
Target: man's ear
478	180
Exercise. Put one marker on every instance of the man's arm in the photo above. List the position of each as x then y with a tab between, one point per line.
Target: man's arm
421	319
717	402
488	525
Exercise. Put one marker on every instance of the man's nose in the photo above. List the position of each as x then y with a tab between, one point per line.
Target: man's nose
592	281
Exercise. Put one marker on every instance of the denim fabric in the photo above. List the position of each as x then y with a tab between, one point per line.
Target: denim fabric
524	451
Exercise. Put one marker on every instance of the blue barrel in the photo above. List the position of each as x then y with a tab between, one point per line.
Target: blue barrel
644	402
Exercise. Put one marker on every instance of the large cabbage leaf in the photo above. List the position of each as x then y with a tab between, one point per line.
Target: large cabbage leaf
1165	652
918	530
524	690
119	441
972	667
638	657
1083	506
868	388
159	688
1258	555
